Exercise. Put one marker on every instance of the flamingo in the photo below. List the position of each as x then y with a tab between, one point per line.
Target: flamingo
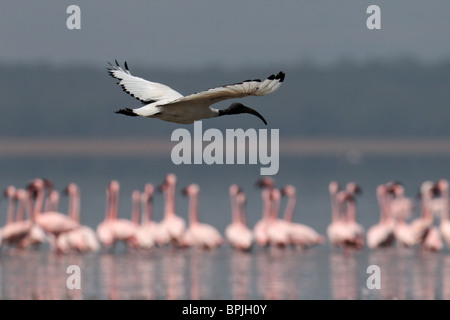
444	225
171	222
260	227
123	229
300	234
422	224
278	230
398	208
353	235
381	234
337	231
166	104
52	222
399	205
36	235
357	229
83	238
237	233
105	231
144	238
199	234
14	231
160	234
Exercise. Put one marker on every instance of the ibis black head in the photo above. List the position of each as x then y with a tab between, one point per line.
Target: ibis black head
237	108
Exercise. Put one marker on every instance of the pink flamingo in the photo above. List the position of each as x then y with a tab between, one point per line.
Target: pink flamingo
300	234
357	229
399	208
14	231
199	234
52	222
278	230
36	235
237	233
123	229
399	205
337	231
143	236
160	235
381	234
354	233
444	225
260	228
84	237
174	224
421	225
105	230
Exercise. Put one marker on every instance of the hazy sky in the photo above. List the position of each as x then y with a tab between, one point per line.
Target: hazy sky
231	33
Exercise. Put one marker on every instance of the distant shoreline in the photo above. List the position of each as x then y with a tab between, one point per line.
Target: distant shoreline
121	147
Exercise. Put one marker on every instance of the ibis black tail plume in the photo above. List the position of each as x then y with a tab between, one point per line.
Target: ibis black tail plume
127	112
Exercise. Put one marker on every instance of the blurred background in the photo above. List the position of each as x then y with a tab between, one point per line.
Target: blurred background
360	105
351	95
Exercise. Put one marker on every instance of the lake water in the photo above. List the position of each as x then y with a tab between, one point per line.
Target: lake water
263	273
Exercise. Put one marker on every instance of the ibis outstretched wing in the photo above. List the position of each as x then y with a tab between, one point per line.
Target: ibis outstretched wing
231	91
143	90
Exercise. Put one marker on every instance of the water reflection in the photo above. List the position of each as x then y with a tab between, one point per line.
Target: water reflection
343	270
263	273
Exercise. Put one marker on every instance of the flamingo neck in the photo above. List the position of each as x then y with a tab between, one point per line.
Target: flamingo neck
74	207
275	209
11	209
445	208
351	211
135	211
267	205
21	208
169	207
193	209
108	206
147	212
38	203
290	207
242	214
114	206
234	209
29	204
334	208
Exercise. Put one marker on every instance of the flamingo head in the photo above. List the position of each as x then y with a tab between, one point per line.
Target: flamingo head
353	188
9	192
71	188
192	189
114	185
288	190
149	189
234	189
442	185
333	187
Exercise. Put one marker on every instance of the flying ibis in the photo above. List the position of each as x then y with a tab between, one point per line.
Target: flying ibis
162	102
